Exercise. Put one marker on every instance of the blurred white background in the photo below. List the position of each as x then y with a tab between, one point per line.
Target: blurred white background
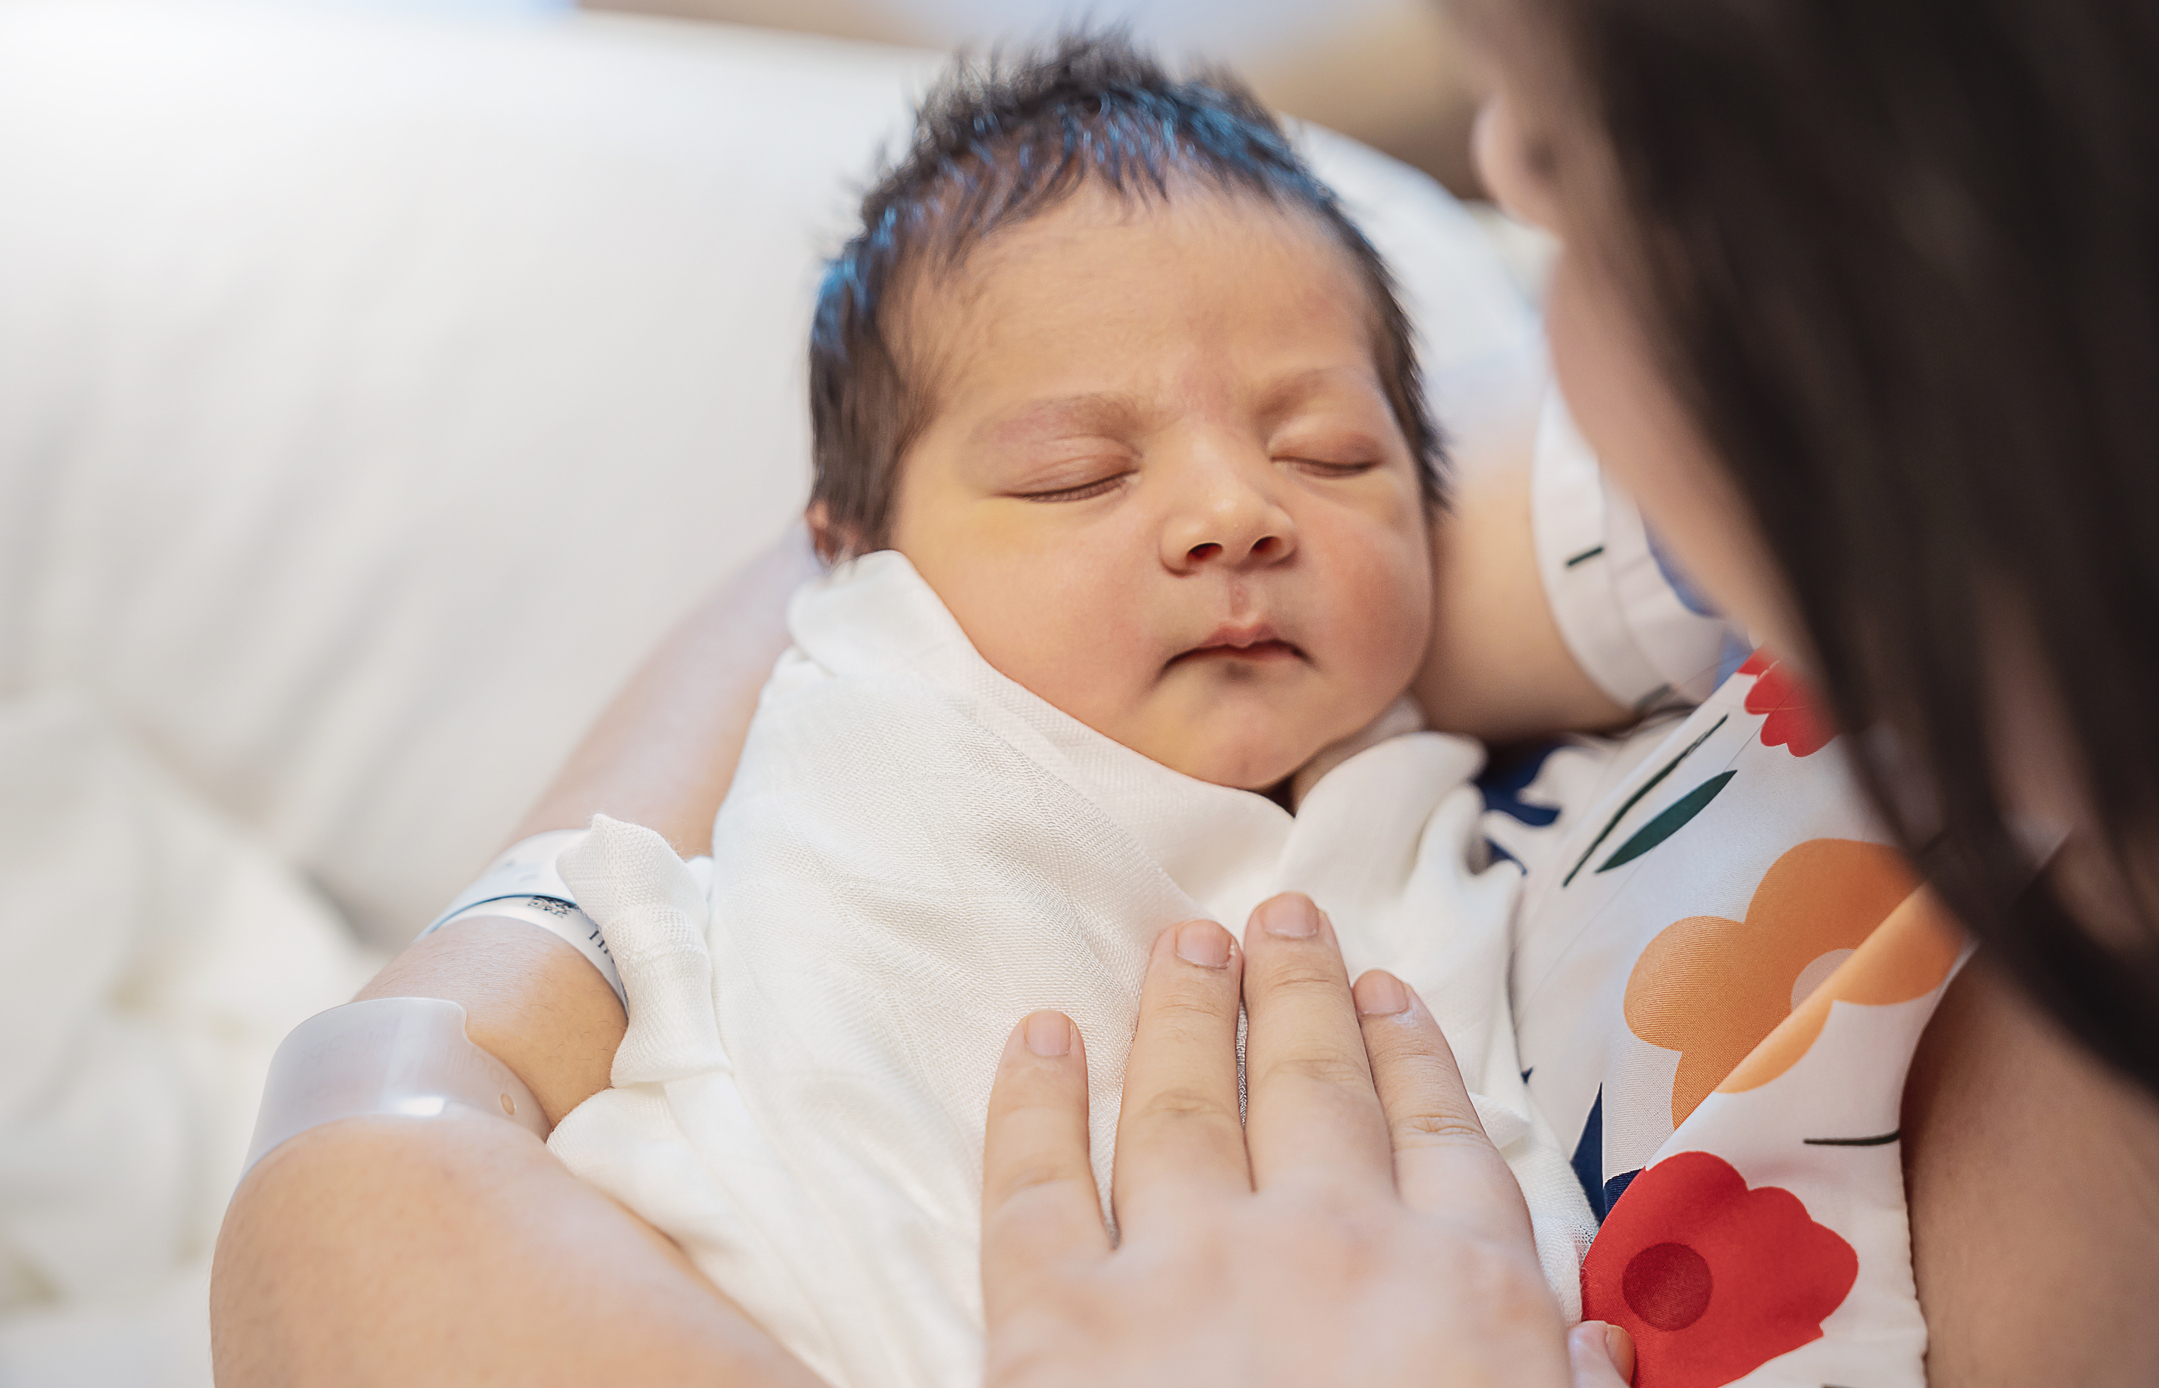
1387	72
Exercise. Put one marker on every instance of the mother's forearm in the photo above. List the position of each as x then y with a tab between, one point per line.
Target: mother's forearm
1498	668
662	754
459	1251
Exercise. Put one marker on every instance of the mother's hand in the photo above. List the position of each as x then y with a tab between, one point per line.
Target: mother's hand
1358	1228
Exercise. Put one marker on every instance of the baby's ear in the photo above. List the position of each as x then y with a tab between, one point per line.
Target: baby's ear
831	545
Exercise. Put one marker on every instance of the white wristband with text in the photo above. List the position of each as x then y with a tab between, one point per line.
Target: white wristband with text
559	918
524	885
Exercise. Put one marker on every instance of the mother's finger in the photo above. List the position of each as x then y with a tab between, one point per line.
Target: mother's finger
1311	1108
1601	1355
1178	1134
1040	1209
1443	1162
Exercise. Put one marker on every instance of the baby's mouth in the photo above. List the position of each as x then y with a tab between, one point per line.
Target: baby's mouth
1257	645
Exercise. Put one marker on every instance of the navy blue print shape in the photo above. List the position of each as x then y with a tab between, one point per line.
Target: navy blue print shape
1588	1160
1503	785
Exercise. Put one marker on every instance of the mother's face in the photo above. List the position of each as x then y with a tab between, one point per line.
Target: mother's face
1543	157
1543	163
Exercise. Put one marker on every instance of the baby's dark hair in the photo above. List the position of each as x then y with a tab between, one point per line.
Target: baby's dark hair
997	144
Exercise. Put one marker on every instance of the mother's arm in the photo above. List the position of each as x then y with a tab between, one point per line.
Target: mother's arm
459	1251
2033	1176
1498	668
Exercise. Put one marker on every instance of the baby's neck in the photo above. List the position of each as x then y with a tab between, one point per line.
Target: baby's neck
1400	717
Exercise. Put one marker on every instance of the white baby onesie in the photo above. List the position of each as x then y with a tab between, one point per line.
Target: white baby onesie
916	853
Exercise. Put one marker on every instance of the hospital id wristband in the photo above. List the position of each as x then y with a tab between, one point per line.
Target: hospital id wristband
559	918
525	885
526	868
385	1058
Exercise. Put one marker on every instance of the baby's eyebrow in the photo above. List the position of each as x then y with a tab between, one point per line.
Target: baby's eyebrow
1286	394
1095	413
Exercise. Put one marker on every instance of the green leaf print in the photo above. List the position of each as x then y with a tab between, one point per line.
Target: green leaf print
1635	799
1670	822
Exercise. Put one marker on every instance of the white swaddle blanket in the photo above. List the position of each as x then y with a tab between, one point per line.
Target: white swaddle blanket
917	852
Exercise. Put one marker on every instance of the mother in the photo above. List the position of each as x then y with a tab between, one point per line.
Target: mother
1861	299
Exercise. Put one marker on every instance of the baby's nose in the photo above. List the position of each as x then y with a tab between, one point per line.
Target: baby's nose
1239	530
1266	546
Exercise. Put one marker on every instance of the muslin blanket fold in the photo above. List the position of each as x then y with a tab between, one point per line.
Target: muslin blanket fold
915	853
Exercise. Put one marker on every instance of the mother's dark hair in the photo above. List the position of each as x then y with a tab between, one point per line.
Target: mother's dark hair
1902	258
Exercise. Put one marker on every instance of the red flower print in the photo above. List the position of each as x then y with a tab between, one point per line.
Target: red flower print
1712	1279
1791	719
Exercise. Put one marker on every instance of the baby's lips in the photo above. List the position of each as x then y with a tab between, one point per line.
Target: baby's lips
1270	650
1251	638
1240	634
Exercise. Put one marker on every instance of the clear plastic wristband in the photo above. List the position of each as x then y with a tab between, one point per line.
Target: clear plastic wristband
385	1057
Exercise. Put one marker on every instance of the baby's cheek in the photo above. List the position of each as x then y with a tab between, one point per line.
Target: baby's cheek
1382	606
1072	639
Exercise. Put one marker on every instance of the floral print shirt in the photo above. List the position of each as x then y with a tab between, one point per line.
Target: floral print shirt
1720	974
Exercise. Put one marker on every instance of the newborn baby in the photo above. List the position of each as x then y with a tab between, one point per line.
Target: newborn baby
1121	453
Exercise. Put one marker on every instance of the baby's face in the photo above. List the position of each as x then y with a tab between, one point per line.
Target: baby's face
1163	489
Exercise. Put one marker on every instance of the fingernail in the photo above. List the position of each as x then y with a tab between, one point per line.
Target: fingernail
1203	943
1049	1035
1291	917
1380	995
1620	1346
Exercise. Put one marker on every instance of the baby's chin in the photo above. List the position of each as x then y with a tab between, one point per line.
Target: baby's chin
1248	735
1256	762
1255	743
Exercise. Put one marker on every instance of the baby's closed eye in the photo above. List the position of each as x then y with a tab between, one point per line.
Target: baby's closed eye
1075	470
1325	467
1080	491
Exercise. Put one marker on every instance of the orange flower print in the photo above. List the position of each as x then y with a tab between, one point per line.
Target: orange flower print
1906	957
1790	718
1712	988
1712	1279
